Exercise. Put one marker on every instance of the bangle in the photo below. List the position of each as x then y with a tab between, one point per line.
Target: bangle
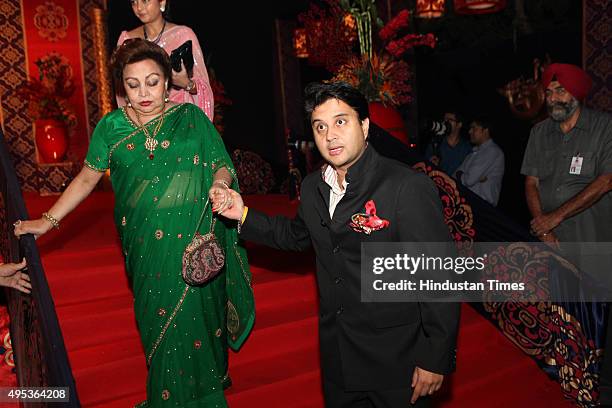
225	184
51	219
190	85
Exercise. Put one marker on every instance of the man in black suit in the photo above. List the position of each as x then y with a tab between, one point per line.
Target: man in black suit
373	354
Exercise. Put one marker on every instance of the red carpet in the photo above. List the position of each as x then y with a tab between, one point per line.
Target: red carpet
278	366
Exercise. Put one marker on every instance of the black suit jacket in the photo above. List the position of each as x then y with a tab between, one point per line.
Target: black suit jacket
368	346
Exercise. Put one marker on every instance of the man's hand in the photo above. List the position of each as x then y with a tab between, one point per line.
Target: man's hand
424	383
234	211
435	160
545	223
12	277
550	239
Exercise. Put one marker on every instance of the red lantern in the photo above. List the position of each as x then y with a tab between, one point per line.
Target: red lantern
429	8
299	43
479	6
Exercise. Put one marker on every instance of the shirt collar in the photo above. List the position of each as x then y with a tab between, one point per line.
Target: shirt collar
583	119
358	169
483	146
330	176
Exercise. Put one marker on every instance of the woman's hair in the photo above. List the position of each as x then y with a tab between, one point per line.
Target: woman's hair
165	13
317	93
135	50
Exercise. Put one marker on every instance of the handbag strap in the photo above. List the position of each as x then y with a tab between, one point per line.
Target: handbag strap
213	219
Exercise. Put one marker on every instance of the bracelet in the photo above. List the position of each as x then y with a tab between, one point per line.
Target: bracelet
51	219
222	182
190	85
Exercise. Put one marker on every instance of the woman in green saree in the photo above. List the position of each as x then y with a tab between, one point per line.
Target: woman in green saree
165	161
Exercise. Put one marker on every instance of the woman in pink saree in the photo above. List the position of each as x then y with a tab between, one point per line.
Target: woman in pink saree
157	29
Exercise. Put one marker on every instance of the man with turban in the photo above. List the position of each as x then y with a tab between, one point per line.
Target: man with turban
568	169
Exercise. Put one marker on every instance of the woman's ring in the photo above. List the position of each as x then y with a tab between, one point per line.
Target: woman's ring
16	223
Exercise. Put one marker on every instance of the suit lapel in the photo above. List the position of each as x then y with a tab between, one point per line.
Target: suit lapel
322	202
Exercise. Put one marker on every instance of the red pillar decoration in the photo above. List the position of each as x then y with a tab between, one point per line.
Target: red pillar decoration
479	6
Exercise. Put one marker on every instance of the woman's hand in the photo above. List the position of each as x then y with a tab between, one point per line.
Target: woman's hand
37	227
234	212
180	78
12	277
220	196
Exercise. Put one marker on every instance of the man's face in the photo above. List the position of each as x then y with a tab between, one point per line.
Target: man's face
452	119
339	134
478	135
560	103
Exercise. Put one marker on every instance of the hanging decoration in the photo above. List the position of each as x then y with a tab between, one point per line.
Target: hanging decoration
330	34
300	44
429	8
479	6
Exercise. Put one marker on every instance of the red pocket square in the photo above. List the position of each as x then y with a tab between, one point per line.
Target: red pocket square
368	221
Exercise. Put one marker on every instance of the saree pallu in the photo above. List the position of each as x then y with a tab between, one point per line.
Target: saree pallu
185	330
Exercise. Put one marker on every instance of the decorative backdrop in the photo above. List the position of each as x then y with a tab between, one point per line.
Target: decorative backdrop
597	51
31	28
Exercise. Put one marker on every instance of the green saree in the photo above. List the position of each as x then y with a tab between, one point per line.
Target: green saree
185	330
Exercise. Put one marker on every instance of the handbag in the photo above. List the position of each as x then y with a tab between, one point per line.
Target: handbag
203	258
183	53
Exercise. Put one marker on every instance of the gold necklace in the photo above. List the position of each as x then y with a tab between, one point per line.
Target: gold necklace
150	141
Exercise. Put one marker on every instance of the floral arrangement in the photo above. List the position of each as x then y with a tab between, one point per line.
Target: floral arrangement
380	78
384	76
49	93
397	44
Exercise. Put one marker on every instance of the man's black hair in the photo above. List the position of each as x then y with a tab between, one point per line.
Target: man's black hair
484	122
317	93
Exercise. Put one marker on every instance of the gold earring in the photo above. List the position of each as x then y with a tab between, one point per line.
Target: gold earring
162	8
129	104
166	99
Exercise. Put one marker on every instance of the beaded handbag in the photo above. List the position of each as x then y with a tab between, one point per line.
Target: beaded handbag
203	258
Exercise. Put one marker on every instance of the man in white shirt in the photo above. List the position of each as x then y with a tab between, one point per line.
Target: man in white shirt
375	354
482	170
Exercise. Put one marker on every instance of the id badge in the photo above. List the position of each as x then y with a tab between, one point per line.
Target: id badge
576	165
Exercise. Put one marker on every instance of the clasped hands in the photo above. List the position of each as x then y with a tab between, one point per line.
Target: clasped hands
542	226
225	201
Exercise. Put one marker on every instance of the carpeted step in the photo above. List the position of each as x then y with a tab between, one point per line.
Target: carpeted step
93	306
289	364
497	386
110	381
277	301
67	261
123	402
270	342
92	283
88	331
100	354
302	391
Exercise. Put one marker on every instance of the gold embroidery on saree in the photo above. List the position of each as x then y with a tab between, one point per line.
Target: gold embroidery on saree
233	320
168	322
